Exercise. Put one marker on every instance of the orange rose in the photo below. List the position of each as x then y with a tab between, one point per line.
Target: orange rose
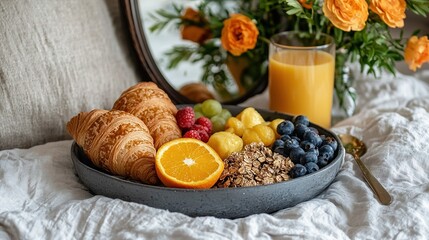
196	33
416	52
239	34
305	4
391	12
346	15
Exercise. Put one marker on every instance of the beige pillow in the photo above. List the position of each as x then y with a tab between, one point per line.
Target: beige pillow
58	58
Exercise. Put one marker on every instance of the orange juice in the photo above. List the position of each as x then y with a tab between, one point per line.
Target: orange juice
302	83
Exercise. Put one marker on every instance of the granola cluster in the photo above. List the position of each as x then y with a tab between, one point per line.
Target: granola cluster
254	165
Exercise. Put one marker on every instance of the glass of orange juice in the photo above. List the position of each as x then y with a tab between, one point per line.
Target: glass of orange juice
301	75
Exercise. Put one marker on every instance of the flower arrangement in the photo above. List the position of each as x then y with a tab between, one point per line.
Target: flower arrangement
360	29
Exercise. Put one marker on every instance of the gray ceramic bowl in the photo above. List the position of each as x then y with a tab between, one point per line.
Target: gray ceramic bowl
218	202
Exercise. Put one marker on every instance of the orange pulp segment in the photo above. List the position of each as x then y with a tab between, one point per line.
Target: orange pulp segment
188	163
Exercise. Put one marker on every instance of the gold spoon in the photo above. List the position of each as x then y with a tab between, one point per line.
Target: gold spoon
357	148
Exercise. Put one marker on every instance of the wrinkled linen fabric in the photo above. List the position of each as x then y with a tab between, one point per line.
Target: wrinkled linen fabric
42	198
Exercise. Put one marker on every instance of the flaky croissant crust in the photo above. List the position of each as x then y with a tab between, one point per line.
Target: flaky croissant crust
152	105
116	141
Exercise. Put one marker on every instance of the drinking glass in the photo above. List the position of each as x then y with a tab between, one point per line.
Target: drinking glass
301	75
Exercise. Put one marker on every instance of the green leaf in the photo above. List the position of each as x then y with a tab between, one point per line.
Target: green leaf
293	3
420	7
294	11
293	7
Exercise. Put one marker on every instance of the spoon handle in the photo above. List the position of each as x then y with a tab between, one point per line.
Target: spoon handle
381	193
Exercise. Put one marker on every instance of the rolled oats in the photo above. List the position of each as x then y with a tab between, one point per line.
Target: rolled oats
254	165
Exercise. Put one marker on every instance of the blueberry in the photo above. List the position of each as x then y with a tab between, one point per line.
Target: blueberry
313	129
331	142
289	145
321	161
298	171
296	138
314	150
313	138
308	157
285	127
301	119
300	129
311	167
306	145
295	154
326	151
278	143
279	150
285	137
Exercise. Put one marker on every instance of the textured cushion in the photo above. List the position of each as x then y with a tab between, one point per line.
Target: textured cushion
58	58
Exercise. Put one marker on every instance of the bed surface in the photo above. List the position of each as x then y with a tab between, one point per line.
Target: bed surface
41	197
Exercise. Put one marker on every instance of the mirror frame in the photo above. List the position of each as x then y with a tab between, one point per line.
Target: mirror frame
152	71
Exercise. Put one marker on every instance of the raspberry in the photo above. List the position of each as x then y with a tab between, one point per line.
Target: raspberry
185	117
192	134
199	128
204	136
206	123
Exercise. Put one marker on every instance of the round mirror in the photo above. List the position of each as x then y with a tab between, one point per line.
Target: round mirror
180	53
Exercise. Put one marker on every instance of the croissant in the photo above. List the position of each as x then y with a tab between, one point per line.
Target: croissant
152	105
117	142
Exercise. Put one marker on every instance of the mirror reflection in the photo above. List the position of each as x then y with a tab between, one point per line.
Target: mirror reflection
188	50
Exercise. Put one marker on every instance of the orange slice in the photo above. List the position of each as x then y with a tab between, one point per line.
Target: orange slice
188	163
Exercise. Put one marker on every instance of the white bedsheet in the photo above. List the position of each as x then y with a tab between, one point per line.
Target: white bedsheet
41	198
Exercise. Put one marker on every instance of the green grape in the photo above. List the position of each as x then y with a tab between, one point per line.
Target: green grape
211	108
197	107
218	123
198	115
225	114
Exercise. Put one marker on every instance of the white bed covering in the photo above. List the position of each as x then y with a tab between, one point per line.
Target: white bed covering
41	198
